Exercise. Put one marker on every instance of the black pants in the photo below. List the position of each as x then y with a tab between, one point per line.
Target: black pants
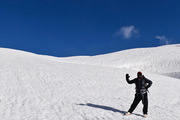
137	99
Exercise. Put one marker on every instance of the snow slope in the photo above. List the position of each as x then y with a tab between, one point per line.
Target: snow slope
36	87
163	60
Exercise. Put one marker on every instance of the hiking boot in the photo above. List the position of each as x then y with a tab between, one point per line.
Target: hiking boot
145	115
128	113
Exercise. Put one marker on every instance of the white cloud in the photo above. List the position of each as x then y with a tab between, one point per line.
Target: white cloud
163	40
127	32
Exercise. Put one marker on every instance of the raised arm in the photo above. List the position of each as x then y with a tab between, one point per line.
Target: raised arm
129	81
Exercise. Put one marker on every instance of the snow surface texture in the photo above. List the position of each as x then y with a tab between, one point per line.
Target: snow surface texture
163	60
36	87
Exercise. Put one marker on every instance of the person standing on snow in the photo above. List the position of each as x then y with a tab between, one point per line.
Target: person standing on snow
142	85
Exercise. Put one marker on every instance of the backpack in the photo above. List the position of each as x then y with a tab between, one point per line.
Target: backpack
143	86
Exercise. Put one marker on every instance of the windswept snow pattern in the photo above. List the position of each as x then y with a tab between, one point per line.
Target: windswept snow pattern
37	87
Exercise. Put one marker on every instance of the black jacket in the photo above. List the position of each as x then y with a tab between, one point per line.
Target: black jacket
141	83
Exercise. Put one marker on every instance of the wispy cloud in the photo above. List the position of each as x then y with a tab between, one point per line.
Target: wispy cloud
163	40
127	32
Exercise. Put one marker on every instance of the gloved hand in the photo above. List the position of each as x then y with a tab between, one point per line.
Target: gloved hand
127	76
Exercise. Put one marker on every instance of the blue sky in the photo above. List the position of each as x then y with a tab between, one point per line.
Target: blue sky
87	27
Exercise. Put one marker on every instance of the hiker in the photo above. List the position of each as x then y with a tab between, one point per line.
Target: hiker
142	85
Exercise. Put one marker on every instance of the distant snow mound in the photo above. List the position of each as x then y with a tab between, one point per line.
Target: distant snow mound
177	45
161	60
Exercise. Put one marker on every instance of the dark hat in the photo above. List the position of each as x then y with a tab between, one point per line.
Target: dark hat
139	73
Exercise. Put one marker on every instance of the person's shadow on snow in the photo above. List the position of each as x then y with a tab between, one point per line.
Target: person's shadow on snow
107	108
103	107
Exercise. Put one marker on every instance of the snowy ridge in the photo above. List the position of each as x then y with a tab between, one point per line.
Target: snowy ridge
163	60
37	87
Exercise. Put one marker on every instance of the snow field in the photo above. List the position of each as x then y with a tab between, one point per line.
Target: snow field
162	60
36	87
